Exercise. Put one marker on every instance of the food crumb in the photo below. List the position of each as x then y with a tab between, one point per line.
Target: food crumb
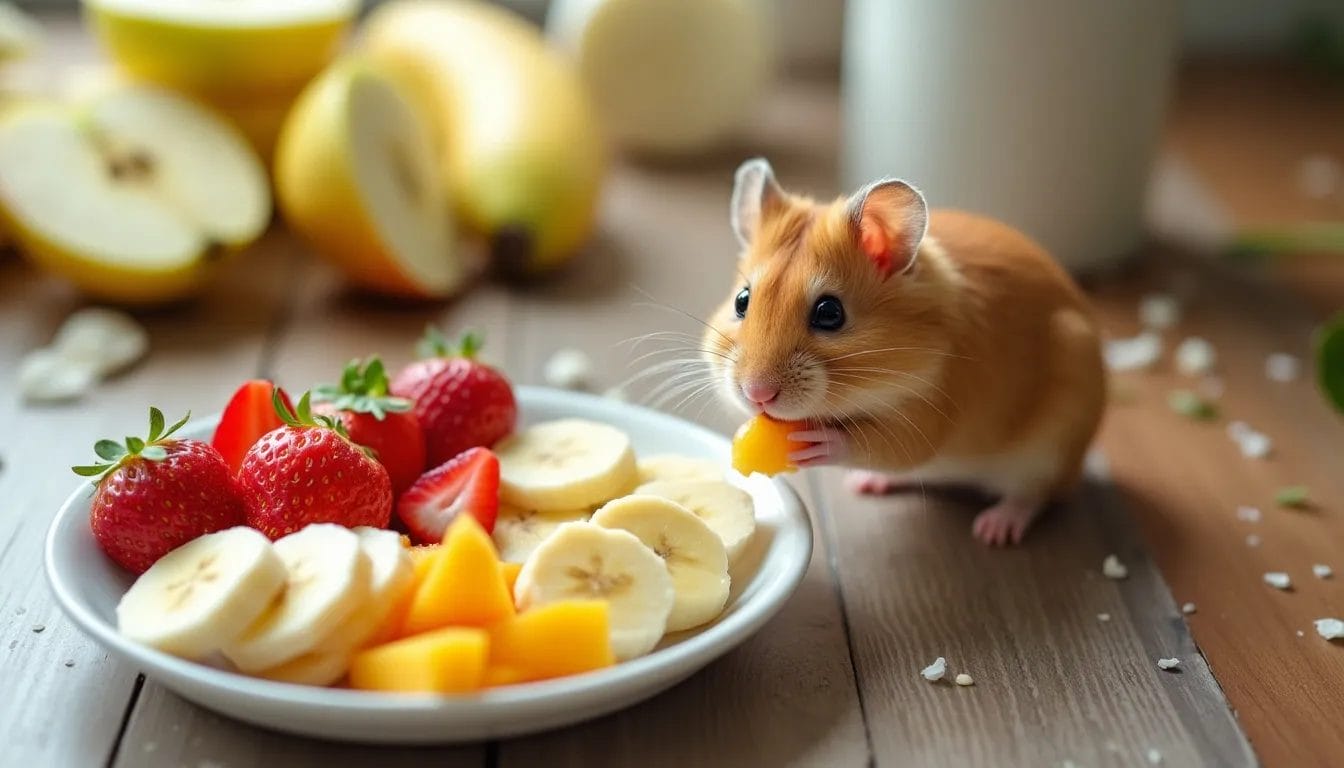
1300	633
1282	367
1255	445
1103	617
568	369
69	662
1249	514
1191	405
1195	357
39	627
1278	580
1253	540
1188	608
1168	664
1322	571
965	679
1293	496
1159	310
1154	757
1330	629
1133	354
1112	568
935	671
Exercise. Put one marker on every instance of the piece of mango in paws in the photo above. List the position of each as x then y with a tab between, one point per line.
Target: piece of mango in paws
763	445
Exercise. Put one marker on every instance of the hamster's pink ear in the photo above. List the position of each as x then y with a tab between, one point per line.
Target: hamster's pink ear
755	195
888	219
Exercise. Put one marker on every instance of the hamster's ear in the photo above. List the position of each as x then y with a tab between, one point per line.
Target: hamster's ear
888	219
755	194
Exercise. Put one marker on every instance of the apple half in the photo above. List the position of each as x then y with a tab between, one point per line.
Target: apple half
356	174
134	196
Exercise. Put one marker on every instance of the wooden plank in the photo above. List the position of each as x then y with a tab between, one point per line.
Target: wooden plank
787	696
194	354
325	325
1185	481
1053	682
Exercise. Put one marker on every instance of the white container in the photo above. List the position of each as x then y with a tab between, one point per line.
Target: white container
1043	113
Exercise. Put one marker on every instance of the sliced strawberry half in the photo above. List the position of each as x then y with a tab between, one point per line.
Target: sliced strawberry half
249	415
465	484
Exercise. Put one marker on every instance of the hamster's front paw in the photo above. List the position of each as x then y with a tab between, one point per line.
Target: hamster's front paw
827	445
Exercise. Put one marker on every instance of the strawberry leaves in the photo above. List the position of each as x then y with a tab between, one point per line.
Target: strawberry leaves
363	389
114	454
435	344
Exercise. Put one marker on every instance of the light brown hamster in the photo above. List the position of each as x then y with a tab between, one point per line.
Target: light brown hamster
920	347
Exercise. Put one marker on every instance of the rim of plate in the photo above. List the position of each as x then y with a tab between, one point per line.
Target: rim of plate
698	649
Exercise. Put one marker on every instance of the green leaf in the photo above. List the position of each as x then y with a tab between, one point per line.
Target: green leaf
182	422
375	378
1293	496
155	423
282	410
1330	361
109	449
92	470
1191	405
154	453
134	445
305	408
432	344
471	343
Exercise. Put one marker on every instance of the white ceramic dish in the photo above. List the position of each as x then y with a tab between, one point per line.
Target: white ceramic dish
88	585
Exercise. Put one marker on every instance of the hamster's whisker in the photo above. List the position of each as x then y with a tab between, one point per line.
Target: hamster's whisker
907	374
680	382
928	350
888	383
885	433
904	418
662	305
685	389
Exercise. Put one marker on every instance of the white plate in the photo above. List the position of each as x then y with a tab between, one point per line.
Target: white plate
88	585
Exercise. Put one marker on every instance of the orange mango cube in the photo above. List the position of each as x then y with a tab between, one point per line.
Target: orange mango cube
447	661
763	445
510	573
563	638
462	584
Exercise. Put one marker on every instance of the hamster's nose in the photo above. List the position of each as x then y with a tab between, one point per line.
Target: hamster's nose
759	392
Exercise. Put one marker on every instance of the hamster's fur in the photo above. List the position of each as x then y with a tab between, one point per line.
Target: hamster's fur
966	355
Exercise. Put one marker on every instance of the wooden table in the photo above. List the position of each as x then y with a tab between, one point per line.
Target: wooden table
834	679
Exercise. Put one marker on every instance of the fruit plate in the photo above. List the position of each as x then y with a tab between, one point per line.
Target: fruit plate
88	585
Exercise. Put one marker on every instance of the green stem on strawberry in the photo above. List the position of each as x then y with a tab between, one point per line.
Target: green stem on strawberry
302	416
363	389
435	344
114	454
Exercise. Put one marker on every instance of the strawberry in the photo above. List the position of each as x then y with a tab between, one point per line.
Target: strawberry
461	403
375	420
154	495
467	483
247	417
308	471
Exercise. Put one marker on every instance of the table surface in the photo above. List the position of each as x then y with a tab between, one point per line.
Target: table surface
894	582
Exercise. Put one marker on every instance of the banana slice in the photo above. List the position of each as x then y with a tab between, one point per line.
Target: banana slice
584	561
694	554
328	580
725	508
670	466
565	464
520	531
203	594
312	668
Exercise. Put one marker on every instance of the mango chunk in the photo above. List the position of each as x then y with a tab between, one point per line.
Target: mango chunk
563	638
422	556
446	661
462	586
763	445
510	573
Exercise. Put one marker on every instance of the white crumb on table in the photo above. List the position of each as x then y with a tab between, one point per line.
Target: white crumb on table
1168	664
1278	580
1159	310
1300	633
1253	443
1330	629
935	671
1249	514
1112	568
964	679
1133	354
1154	757
1253	540
1188	608
1103	617
1322	571
568	369
1195	356
1282	367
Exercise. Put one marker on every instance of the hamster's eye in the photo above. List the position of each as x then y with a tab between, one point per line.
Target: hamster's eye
828	314
740	303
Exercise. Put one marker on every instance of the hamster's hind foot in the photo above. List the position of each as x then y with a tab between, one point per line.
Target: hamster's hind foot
1006	522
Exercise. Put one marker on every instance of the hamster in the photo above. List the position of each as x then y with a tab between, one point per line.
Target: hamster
919	347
